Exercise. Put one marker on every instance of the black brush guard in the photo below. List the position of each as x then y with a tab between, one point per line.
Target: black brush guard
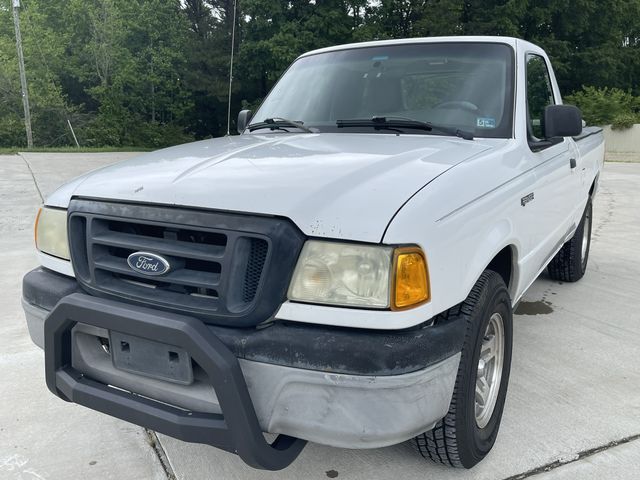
236	430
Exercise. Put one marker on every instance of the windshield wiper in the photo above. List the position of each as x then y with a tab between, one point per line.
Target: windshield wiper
393	123
277	123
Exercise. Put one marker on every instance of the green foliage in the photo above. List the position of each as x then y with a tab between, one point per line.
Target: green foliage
112	68
624	121
155	72
605	106
11	130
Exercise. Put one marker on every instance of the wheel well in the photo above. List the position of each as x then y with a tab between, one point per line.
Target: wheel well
502	264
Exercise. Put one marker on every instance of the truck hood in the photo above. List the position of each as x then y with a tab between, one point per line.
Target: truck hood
331	185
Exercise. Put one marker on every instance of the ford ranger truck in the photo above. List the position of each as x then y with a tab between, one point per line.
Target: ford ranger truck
343	272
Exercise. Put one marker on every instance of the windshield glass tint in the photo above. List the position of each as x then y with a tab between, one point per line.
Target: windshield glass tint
464	85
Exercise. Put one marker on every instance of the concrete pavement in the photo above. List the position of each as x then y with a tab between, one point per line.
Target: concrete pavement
574	391
42	437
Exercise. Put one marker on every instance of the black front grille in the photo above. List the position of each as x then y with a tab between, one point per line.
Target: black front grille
255	265
219	263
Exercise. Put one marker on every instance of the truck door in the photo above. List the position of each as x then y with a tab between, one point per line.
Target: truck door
554	192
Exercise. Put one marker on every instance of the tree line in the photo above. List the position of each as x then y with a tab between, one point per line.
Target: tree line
151	73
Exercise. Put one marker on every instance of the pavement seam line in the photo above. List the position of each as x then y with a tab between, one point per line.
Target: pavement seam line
35	182
579	456
155	444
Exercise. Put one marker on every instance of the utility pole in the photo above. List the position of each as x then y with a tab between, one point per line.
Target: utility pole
23	76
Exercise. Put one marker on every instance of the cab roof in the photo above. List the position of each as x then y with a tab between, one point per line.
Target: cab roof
512	41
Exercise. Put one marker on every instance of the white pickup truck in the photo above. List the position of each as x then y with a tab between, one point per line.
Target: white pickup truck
342	272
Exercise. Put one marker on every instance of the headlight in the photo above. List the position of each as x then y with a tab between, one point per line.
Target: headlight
51	232
348	274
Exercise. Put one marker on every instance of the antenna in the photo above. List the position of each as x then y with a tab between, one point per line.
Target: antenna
233	44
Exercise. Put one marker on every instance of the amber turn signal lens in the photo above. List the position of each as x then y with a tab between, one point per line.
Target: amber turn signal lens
411	281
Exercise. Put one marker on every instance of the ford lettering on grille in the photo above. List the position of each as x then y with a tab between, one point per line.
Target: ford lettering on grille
148	263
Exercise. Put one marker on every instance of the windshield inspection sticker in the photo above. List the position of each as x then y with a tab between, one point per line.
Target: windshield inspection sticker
486	122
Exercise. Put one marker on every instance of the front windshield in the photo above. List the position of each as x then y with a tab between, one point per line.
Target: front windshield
462	85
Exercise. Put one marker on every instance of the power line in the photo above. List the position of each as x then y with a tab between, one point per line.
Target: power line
23	76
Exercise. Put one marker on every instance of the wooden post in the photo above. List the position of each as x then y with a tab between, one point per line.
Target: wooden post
75	139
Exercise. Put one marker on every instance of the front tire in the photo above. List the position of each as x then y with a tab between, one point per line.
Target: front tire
570	262
468	431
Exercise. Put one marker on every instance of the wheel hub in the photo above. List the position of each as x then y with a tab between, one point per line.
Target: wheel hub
481	368
489	370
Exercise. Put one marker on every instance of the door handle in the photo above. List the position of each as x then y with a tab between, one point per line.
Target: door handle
572	163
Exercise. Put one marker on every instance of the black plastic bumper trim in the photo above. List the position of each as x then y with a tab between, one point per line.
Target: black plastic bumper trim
300	345
44	288
236	430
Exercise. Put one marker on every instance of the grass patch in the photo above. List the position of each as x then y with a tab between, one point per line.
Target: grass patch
14	150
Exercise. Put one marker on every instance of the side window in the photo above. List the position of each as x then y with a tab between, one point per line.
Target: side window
539	94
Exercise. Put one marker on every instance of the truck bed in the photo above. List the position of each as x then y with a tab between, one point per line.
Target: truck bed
589	140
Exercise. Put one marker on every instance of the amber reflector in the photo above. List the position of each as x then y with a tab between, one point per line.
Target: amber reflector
411	278
35	227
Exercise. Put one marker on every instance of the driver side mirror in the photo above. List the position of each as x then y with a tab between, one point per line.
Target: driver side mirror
562	121
244	117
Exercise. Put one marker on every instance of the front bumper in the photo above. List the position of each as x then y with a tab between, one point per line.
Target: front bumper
233	399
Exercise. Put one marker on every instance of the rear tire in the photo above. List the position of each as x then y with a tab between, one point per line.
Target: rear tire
468	431
570	262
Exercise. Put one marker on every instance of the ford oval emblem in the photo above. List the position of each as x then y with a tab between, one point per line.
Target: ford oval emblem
148	263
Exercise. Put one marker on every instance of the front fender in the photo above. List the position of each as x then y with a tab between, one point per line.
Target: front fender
462	220
458	250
